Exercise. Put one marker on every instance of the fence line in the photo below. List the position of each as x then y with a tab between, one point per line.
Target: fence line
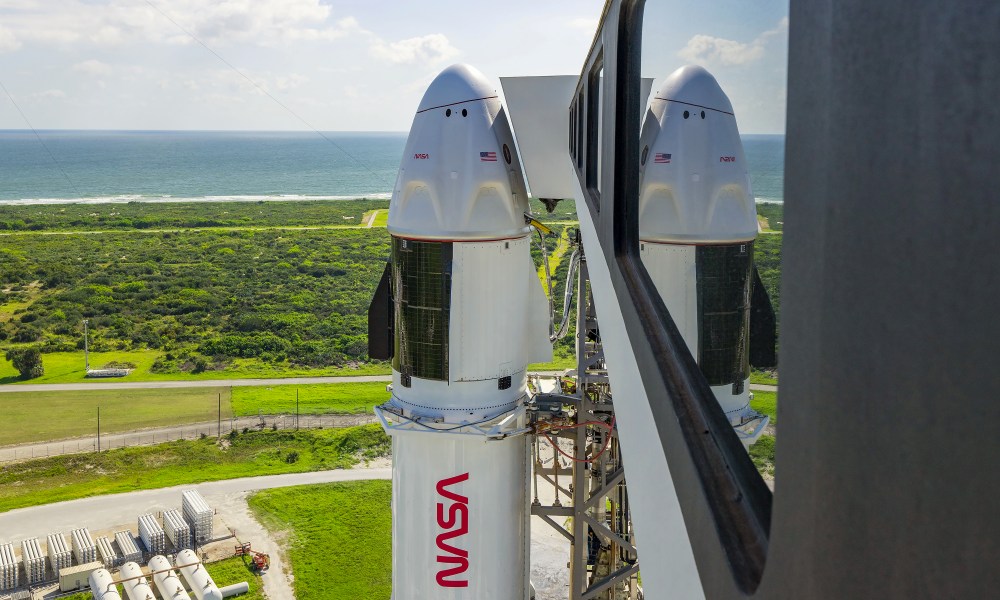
208	429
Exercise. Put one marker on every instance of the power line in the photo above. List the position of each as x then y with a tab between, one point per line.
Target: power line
266	93
34	131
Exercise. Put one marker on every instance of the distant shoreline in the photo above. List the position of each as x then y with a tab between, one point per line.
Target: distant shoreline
128	199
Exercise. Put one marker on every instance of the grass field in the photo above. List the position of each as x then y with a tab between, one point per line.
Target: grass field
234	570
68	367
318	399
249	454
341	537
764	377
767	403
43	416
762	455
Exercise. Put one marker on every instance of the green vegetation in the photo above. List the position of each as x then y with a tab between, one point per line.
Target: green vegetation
27	362
185	215
766	403
774	213
767	377
234	570
318	399
341	537
36	417
762	455
767	258
254	453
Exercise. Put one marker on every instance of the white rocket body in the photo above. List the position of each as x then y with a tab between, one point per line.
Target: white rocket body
469	316
697	223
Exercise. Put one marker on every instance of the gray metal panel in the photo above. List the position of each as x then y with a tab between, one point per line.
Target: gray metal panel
890	290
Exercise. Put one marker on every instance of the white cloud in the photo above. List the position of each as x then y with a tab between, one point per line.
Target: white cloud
258	22
93	67
8	42
48	95
587	24
707	49
427	49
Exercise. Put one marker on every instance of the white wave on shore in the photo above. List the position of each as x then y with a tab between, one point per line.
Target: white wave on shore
127	198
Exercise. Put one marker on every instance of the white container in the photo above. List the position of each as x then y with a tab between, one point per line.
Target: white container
106	552
166	580
60	555
177	529
151	534
136	586
196	576
34	561
128	551
198	514
102	584
9	568
84	549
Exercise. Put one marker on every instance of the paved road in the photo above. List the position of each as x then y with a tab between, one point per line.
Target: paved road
140	385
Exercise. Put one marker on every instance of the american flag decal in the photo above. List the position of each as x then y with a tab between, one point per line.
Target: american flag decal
488	156
661	158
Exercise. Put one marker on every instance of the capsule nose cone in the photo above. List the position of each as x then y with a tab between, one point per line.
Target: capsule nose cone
692	84
457	83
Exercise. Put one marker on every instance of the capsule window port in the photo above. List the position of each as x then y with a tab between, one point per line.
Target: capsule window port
447	113
465	113
503	383
686	114
645	155
702	114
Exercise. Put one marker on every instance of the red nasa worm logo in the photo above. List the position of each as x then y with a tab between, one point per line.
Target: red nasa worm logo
454	520
421	156
727	159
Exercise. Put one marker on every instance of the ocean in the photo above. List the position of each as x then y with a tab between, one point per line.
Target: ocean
172	166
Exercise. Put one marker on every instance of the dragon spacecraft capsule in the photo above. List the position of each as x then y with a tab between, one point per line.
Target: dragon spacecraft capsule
464	314
697	226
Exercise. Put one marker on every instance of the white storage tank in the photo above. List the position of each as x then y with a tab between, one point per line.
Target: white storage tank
84	549
152	534
197	576
107	553
102	584
136	586
9	568
166	581
34	561
60	555
177	529
198	513
127	549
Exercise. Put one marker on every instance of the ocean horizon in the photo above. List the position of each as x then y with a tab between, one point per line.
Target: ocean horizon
121	166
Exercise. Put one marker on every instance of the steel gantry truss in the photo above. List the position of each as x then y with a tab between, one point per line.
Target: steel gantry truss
574	423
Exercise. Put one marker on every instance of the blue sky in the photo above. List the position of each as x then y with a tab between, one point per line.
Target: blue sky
358	65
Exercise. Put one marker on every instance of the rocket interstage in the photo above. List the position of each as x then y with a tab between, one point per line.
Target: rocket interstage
697	225
468	315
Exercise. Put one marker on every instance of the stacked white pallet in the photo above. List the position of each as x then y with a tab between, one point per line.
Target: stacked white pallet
34	561
83	547
198	514
60	554
128	551
8	567
108	555
152	534
177	529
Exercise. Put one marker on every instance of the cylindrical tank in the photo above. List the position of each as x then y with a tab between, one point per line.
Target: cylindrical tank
697	225
196	576
166	581
102	585
235	590
136	586
469	315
